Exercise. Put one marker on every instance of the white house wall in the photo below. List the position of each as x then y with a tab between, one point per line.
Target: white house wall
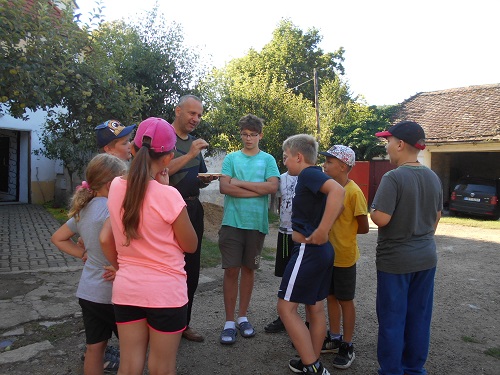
37	174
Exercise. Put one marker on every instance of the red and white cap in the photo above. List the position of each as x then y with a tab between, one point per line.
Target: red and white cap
343	153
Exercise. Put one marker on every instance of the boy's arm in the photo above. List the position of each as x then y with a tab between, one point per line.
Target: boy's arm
437	220
334	206
363	225
381	219
62	239
227	187
270	186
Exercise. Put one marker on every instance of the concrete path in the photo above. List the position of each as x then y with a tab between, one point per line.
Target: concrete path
38	281
25	246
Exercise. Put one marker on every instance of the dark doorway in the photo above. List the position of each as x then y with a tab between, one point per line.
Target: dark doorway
4	164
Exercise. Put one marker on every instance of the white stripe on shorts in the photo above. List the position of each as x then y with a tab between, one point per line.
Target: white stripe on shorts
293	276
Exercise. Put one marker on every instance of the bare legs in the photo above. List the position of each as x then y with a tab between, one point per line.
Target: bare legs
94	358
307	342
342	311
134	340
230	288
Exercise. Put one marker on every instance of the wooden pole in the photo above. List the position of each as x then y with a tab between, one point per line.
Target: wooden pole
316	101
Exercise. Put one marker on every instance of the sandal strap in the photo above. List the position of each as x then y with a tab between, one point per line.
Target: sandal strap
244	327
228	336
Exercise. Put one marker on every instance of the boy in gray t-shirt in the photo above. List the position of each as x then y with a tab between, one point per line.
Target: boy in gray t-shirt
406	208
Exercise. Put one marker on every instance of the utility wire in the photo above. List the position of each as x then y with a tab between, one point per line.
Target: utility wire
303	83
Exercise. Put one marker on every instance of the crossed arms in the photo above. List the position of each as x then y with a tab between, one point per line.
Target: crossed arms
246	189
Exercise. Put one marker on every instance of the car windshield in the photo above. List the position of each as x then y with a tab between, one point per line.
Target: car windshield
476	188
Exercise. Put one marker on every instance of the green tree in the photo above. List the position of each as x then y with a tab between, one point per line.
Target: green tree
275	84
41	45
151	53
48	62
94	92
349	121
65	145
291	57
102	71
233	96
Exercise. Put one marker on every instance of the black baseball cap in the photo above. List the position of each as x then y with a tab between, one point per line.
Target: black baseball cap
408	131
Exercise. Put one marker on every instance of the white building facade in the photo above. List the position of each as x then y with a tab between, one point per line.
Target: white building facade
24	176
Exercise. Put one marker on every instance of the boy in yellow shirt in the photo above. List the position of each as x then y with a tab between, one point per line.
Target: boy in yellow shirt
352	221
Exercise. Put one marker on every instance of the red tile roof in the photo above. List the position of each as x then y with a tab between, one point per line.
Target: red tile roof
464	114
29	5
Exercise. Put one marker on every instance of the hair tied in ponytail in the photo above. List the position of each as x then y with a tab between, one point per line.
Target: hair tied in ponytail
84	185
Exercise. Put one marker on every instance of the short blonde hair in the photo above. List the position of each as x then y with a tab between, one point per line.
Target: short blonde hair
303	143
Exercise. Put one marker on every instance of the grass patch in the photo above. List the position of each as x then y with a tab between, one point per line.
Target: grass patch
274	218
471	222
494	352
268	253
470	339
210	254
60	214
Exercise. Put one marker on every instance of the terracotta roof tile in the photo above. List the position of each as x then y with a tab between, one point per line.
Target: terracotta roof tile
30	8
456	115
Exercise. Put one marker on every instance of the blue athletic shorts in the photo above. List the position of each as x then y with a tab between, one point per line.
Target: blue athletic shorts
308	274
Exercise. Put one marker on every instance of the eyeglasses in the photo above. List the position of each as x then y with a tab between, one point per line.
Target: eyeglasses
251	135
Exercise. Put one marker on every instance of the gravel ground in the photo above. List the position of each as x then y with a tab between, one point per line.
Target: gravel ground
465	322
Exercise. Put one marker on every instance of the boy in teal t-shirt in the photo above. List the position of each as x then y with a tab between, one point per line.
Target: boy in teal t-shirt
249	176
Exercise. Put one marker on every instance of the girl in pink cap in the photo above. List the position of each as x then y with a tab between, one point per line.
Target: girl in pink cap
145	239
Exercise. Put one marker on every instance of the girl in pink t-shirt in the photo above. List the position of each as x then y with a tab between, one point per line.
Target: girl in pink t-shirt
145	239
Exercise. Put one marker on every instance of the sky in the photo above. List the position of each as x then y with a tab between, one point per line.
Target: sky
394	49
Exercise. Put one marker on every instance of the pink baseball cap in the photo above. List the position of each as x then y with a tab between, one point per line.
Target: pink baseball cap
162	134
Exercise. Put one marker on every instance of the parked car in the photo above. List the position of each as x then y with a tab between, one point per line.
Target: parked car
476	196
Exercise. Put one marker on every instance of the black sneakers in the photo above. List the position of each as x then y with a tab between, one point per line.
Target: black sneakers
322	371
275	326
345	356
329	345
298	367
